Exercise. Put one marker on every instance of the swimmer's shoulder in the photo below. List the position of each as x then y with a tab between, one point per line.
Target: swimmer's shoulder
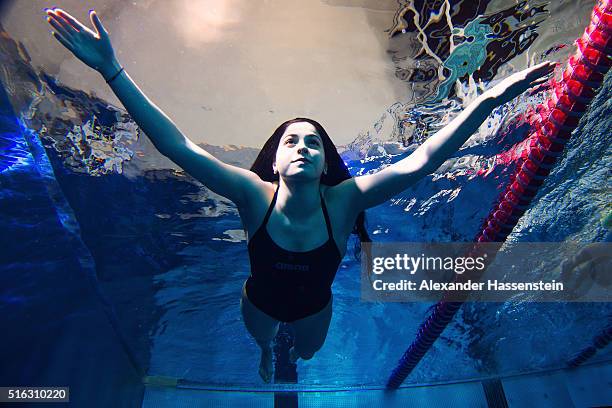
253	210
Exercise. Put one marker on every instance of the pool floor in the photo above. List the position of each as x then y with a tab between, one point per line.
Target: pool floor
587	386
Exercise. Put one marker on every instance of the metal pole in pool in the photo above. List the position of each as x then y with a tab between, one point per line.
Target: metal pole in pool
285	372
552	123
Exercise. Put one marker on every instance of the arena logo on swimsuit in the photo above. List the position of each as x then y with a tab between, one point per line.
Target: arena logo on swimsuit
292	267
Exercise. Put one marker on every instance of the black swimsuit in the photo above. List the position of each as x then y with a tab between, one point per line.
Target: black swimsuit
289	285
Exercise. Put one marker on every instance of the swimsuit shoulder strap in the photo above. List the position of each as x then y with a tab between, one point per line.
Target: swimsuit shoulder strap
323	207
265	221
327	221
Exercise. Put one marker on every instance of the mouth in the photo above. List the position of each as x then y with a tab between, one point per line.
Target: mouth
302	160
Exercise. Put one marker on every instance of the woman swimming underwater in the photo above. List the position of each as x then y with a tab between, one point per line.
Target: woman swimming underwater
298	202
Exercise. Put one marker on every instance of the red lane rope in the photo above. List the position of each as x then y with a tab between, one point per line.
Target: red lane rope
552	124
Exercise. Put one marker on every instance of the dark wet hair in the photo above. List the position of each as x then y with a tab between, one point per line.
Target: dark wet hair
336	169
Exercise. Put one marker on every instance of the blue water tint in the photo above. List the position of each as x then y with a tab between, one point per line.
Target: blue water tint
170	256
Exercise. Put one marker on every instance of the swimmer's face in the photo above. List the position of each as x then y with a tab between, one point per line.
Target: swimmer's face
300	153
420	75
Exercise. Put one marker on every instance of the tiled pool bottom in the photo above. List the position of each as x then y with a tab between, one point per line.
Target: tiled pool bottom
588	386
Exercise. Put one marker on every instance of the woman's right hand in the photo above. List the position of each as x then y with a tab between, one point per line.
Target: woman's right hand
93	48
517	83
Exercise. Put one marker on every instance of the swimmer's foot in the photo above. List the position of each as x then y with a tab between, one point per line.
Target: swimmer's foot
265	364
293	356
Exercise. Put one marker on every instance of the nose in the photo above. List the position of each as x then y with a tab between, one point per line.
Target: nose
302	149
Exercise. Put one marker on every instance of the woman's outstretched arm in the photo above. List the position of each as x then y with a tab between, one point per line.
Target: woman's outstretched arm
370	190
95	50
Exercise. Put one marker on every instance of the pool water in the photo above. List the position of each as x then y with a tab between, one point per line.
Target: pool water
116	262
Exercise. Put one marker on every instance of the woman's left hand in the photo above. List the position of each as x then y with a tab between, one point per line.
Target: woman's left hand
519	82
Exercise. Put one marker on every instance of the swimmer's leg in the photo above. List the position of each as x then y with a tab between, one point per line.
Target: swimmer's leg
310	334
263	328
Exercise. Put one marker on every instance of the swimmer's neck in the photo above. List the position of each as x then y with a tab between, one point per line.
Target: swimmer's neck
298	200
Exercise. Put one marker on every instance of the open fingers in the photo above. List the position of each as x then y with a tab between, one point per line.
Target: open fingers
544	65
62	40
540	72
543	68
540	80
95	20
58	26
65	24
71	24
74	23
538	88
539	85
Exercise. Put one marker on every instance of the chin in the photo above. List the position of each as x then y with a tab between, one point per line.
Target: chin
303	175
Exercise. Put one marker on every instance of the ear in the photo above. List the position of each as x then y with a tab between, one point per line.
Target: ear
274	170
325	169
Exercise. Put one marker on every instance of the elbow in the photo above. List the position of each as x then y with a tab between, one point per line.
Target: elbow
170	150
421	163
166	152
429	167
